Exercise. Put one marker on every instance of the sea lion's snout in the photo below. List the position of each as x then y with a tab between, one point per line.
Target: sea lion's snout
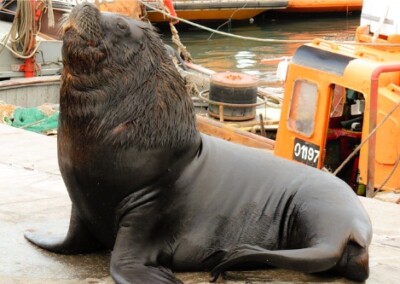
83	41
84	19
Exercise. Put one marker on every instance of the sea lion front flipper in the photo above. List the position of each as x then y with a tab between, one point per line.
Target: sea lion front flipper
77	240
309	260
133	260
124	272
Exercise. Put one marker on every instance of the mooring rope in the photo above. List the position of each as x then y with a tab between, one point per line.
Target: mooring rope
182	50
355	151
229	21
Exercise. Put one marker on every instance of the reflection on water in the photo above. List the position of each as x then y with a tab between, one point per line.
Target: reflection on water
221	53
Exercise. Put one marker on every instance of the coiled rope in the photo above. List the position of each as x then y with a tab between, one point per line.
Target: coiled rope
23	32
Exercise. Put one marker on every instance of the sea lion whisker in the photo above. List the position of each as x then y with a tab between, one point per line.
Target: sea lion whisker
106	48
63	23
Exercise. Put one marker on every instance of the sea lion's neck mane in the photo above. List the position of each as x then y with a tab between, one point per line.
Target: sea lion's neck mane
161	102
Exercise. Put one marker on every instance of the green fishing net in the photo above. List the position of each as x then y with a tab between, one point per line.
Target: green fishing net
34	119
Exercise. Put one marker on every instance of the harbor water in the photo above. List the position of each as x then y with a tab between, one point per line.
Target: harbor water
223	53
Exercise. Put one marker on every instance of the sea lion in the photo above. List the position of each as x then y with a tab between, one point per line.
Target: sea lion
147	185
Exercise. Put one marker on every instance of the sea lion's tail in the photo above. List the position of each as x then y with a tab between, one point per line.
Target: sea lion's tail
310	260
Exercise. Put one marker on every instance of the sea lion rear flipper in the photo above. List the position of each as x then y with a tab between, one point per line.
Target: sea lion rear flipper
309	260
133	260
77	240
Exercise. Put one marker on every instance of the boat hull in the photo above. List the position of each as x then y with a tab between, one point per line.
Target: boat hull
316	6
209	15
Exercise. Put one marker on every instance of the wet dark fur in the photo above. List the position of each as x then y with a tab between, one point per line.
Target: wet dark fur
144	183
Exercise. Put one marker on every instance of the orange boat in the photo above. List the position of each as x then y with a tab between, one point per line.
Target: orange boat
197	10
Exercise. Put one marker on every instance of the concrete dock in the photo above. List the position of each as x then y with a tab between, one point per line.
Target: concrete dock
33	196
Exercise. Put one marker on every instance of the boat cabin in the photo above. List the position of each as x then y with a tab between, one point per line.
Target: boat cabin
341	106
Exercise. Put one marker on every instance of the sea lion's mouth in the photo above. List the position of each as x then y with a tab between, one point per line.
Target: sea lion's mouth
84	20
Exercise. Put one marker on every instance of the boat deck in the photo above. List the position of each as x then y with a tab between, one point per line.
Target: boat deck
33	196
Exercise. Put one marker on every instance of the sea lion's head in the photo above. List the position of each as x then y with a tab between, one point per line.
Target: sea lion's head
120	84
93	40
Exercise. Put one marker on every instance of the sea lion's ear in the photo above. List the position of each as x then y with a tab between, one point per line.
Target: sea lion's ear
122	26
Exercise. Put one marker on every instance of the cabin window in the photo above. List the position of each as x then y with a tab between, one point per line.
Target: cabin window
303	107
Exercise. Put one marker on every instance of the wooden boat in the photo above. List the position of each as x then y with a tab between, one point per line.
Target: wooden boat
199	10
196	10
